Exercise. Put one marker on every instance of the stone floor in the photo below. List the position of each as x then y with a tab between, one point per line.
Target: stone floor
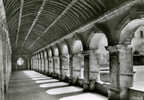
30	85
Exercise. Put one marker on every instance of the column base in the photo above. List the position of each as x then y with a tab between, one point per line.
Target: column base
113	94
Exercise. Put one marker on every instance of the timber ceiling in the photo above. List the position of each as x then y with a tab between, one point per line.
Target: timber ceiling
34	24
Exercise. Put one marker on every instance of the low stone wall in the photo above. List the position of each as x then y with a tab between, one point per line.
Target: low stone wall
136	94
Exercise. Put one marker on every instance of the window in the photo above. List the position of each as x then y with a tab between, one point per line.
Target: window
141	34
20	61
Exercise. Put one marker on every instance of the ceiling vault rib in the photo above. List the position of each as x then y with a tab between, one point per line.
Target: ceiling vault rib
55	21
34	21
19	22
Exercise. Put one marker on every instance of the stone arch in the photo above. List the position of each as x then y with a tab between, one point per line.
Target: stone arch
77	60
65	60
55	51
125	55
64	49
56	60
25	63
38	61
99	57
137	41
50	61
127	33
42	61
50	52
46	61
77	46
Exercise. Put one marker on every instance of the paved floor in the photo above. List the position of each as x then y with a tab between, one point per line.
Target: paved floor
30	85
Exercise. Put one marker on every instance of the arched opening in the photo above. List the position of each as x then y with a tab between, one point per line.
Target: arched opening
65	61
56	61
21	63
42	61
50	61
39	62
137	44
131	44
78	60
46	61
99	58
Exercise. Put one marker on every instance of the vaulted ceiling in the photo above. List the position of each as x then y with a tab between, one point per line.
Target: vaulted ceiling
36	23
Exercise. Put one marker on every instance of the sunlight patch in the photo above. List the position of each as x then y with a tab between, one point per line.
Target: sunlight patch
46	81
85	96
64	90
40	78
51	85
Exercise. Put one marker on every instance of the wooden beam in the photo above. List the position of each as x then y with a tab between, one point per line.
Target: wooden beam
19	22
34	21
55	21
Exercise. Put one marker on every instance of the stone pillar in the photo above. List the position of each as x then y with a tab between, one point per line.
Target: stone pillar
94	69
45	62
41	58
28	63
121	71
53	72
42	62
56	66
39	62
50	65
32	60
126	70
76	76
65	66
86	69
47	65
114	89
71	67
61	68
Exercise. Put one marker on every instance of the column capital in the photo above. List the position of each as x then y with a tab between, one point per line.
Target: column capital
117	48
113	49
63	56
88	52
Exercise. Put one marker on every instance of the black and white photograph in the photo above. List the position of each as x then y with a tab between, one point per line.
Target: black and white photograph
71	49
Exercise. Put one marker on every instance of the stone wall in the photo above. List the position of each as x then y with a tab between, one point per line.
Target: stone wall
5	54
136	94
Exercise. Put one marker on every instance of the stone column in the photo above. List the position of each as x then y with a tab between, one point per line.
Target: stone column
61	68
32	61
71	67
45	63
114	89
64	60
86	69
42	62
39	62
36	62
121	71
126	70
50	65
53	73
94	69
56	65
